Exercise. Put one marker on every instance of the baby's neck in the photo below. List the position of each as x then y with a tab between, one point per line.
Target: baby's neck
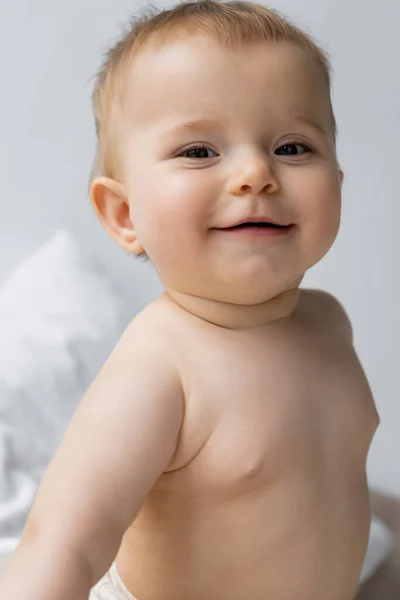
237	316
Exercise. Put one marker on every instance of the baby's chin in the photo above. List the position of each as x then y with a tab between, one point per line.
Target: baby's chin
250	292
256	295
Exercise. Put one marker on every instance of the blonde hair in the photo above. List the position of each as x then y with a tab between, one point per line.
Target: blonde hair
230	23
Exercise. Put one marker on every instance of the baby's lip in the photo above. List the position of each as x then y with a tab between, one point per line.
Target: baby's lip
255	219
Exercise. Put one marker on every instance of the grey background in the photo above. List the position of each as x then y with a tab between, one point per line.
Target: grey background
50	50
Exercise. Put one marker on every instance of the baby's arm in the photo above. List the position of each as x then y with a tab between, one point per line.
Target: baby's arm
122	437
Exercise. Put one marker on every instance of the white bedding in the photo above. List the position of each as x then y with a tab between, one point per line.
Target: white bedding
60	315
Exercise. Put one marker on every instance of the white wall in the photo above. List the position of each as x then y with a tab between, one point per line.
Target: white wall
50	49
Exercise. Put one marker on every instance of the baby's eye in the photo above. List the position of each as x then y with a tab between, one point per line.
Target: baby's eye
292	149
197	151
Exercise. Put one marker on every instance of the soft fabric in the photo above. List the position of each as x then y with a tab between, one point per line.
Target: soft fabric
380	546
111	587
60	316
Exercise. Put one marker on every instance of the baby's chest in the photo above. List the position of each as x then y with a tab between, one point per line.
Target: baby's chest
256	423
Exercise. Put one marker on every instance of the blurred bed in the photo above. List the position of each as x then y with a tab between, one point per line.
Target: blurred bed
60	315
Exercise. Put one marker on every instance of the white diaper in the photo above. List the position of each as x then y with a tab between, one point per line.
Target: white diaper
111	587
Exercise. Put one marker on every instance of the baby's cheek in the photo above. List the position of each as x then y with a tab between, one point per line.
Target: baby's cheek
166	231
323	221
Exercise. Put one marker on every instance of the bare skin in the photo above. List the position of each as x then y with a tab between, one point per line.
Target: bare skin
220	453
266	496
250	483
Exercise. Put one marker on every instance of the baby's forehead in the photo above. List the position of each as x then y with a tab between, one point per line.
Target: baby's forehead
185	74
203	55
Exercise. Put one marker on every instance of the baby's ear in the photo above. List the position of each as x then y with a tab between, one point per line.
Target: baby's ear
110	202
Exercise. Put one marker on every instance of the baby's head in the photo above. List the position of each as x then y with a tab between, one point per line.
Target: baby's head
206	115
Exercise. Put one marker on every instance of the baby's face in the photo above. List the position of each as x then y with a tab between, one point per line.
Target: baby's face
213	136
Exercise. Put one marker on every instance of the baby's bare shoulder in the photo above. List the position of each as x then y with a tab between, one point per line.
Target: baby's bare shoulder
329	312
335	324
152	328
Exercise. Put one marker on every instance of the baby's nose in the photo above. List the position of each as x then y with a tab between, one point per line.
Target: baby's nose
255	176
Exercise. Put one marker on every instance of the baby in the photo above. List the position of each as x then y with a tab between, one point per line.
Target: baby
221	452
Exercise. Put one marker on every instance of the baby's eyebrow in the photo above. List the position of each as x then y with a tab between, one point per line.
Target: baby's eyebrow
194	124
312	123
210	124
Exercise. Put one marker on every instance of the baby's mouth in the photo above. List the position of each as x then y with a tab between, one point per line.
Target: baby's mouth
258	229
256	224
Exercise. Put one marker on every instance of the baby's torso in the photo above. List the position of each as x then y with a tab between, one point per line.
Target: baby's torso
267	496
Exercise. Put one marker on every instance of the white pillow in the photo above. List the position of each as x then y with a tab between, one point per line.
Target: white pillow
60	316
